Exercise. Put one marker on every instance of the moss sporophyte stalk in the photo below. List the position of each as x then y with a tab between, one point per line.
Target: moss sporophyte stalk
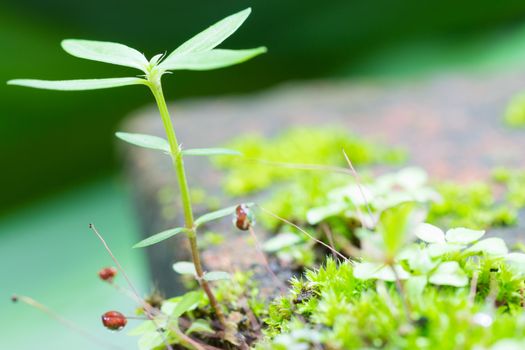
198	53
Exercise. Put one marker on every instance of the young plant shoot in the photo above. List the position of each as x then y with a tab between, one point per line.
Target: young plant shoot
198	53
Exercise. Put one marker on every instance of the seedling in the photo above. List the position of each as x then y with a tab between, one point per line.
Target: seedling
198	53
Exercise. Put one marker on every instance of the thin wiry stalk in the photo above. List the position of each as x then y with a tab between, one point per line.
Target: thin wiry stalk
150	311
64	321
332	249
282	286
360	187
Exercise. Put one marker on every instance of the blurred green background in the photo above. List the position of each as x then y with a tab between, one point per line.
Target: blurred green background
58	164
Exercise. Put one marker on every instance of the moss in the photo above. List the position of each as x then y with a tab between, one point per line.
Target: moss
515	112
471	205
257	169
347	313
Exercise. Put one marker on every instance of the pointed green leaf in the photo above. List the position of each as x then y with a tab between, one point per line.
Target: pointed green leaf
213	59
107	52
216	276
210	152
159	237
184	268
281	241
463	235
78	84
146	141
214	35
214	215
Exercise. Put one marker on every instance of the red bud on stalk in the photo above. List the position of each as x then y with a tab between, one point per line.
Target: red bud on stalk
107	274
114	320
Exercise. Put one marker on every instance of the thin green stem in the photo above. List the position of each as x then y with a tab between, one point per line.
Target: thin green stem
178	165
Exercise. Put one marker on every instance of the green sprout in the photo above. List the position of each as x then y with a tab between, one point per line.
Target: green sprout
198	53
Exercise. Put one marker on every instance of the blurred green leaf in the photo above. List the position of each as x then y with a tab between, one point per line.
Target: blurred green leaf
216	276
200	326
394	225
463	235
159	237
369	270
184	268
491	246
77	84
107	52
281	241
430	233
188	301
210	59
146	141
449	273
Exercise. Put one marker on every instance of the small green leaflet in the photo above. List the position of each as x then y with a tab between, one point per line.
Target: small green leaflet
78	84
188	301
214	215
463	235
449	273
281	241
146	141
216	276
214	35
210	152
213	59
159	237
200	326
107	52
184	268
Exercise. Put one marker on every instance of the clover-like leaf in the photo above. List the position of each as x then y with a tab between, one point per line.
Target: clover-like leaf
159	237
210	152
184	268
516	261
439	249
212	59
77	84
216	276
449	273
214	35
430	233
491	246
107	52
463	235
146	141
